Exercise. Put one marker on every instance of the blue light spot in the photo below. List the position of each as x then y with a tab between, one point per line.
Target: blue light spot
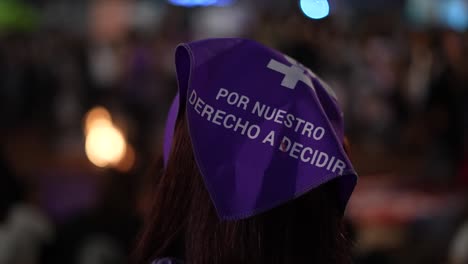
455	15
315	9
192	3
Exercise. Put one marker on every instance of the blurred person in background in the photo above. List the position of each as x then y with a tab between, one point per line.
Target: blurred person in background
447	110
26	92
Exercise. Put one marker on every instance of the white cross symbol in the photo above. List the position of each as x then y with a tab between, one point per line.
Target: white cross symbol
297	72
292	74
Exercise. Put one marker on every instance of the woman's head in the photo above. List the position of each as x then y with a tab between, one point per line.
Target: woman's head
184	222
255	169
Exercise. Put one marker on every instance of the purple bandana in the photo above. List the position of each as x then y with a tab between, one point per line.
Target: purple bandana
264	128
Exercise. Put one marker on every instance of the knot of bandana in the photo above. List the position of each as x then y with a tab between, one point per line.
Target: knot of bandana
264	128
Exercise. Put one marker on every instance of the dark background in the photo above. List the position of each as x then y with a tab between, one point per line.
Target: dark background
76	190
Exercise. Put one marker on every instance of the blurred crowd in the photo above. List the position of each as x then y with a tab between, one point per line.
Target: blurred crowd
403	88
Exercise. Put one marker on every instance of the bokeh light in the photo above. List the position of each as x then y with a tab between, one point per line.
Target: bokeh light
105	144
455	14
315	9
128	160
96	115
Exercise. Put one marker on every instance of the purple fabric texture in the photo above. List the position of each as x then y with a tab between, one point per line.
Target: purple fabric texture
264	128
169	128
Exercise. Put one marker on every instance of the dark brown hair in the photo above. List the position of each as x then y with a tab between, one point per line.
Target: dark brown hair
184	223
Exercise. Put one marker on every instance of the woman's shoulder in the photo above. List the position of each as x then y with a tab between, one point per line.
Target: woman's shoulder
167	261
